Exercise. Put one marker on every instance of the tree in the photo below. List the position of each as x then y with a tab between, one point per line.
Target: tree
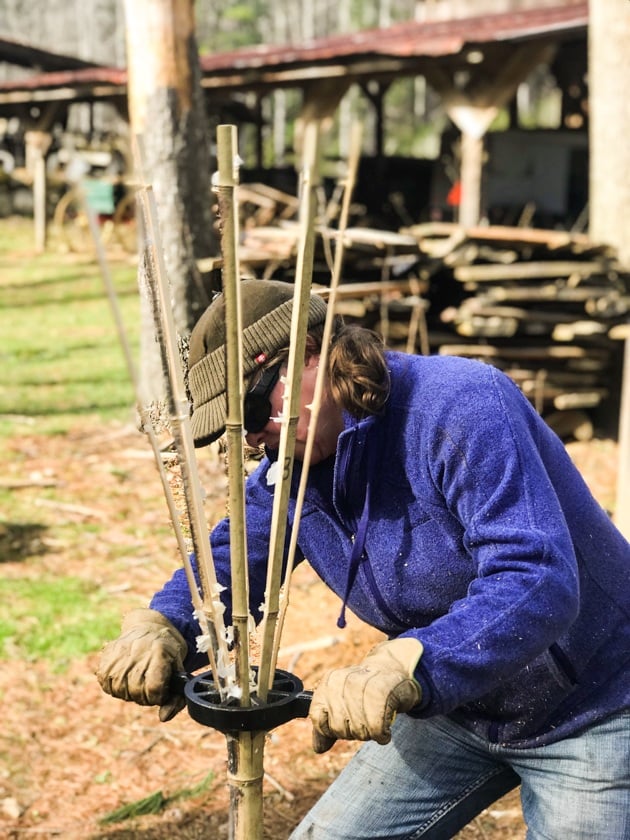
167	114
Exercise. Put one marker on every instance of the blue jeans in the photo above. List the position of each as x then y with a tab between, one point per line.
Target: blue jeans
435	777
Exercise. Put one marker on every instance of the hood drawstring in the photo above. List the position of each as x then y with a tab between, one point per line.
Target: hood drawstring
358	550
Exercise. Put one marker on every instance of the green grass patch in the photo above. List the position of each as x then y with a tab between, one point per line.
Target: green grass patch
155	803
61	366
60	356
56	619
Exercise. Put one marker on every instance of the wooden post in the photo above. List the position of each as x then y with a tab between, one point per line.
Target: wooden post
37	144
473	123
471	168
622	506
473	109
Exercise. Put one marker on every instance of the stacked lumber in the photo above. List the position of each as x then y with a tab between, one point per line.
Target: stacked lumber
369	254
544	306
549	308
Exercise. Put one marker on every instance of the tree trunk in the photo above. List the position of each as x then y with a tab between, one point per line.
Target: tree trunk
167	114
609	111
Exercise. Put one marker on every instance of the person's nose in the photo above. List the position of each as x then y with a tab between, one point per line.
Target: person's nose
255	439
268	435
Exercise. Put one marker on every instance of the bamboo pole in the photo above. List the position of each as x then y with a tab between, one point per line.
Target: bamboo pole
144	416
225	187
214	643
353	163
245	766
245	772
290	414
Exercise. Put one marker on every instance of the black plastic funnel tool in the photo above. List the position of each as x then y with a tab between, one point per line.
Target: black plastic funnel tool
286	700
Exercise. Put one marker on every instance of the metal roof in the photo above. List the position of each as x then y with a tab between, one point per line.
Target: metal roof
26	55
365	54
410	39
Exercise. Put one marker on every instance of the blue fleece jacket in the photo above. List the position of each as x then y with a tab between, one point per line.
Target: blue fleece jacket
482	541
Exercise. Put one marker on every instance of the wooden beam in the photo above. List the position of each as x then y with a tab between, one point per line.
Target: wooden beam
487	351
527	270
552	239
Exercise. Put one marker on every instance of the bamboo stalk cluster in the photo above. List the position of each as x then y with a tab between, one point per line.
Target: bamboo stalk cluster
228	648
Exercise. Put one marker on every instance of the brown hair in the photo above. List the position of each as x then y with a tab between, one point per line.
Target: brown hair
358	378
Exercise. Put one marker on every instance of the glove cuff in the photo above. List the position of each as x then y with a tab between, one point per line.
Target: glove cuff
405	652
144	616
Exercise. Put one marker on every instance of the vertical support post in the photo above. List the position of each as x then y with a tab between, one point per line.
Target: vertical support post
37	144
473	122
622	506
471	167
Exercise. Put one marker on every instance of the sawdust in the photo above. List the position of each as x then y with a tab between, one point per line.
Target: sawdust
71	755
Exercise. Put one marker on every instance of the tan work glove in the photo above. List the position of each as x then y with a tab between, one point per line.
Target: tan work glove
361	702
142	662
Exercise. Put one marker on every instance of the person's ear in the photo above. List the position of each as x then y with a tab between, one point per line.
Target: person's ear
310	350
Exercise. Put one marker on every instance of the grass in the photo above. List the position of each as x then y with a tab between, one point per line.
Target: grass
60	364
60	356
56	619
155	803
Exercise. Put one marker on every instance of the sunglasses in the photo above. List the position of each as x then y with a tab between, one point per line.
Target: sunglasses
256	405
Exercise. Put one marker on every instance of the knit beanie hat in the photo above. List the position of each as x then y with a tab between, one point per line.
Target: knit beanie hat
266	307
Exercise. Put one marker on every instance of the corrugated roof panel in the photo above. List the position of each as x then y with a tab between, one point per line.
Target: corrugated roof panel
409	40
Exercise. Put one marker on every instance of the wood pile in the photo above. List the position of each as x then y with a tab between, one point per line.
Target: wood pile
547	307
544	306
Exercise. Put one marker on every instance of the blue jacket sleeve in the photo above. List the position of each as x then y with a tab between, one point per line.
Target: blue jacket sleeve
174	599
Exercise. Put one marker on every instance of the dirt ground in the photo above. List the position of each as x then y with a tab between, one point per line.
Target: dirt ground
71	754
